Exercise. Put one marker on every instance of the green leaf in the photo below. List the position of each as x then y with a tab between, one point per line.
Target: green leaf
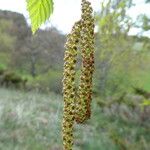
39	12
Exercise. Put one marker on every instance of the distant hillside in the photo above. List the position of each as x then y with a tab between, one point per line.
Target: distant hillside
20	50
18	23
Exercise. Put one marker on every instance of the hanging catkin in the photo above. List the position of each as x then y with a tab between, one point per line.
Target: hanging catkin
84	94
69	86
77	104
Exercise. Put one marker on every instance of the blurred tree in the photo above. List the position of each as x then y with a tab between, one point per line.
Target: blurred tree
13	31
113	45
22	52
7	41
41	52
143	23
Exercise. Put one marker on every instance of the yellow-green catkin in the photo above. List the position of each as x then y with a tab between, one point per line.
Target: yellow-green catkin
77	105
84	94
69	86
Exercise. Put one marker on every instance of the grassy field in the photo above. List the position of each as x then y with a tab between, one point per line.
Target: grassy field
32	121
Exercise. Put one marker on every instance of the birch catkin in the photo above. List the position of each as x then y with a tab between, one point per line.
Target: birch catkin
84	94
77	104
69	86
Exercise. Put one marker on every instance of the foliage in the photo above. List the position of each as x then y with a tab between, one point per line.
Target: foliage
39	12
146	103
143	22
6	39
46	46
50	81
33	121
119	55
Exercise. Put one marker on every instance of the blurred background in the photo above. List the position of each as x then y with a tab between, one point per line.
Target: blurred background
31	73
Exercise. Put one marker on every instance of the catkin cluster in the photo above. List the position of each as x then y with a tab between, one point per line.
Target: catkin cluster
77	103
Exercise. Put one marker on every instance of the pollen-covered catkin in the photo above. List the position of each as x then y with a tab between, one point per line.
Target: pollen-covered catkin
84	93
69	86
77	104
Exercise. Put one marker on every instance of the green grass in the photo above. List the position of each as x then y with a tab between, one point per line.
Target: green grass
32	121
29	121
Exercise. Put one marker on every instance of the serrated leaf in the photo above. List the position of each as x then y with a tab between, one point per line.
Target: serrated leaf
39	12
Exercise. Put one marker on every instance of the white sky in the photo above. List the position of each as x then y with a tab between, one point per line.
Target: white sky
66	12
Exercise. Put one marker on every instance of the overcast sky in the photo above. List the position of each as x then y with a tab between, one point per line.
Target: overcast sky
66	12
